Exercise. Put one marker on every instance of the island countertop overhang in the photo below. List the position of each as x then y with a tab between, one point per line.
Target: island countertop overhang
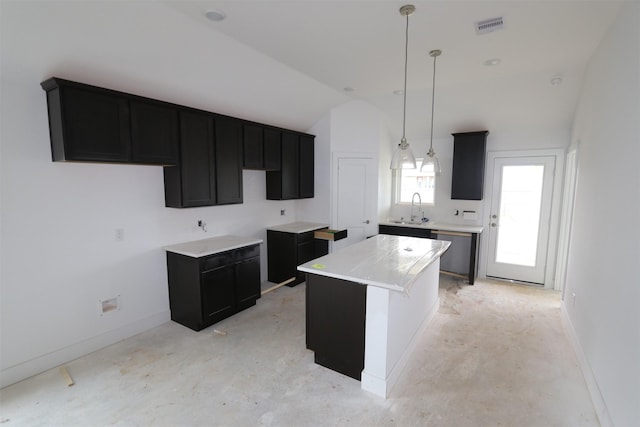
385	261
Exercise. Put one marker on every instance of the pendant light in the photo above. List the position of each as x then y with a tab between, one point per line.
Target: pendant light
403	157
431	161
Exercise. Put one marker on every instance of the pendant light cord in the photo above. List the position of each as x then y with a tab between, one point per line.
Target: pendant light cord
404	93
433	97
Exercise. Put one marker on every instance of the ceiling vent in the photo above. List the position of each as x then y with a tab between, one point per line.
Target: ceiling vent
489	25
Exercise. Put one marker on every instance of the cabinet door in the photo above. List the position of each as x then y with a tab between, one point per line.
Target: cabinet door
467	181
281	256
228	169
306	252
290	166
253	156
96	126
154	133
247	282
218	295
306	167
272	150
198	181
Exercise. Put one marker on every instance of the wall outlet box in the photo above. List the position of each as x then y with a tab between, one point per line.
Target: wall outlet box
469	215
110	305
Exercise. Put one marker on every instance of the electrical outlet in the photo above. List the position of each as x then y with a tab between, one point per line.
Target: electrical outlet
282	212
119	235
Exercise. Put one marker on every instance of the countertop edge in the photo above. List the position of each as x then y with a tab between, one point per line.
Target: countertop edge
438	226
248	242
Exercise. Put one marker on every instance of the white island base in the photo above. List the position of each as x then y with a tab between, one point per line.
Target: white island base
367	305
394	322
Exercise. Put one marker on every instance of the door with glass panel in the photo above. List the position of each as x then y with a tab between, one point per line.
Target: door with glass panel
520	216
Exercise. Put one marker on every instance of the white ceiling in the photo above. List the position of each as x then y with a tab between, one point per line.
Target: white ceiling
360	44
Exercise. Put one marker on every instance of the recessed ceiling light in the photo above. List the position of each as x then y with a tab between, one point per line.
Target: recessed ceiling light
215	15
491	62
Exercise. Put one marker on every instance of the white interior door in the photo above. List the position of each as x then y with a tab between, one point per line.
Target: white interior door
356	204
520	218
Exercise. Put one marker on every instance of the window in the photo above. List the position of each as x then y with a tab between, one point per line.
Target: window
409	181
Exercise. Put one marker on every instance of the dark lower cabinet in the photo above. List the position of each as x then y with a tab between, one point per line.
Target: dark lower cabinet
335	323
286	251
404	231
453	254
203	291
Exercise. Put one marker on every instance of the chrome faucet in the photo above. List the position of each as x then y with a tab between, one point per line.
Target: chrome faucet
413	204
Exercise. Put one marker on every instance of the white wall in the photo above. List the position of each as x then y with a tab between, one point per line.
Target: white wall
59	254
497	140
605	247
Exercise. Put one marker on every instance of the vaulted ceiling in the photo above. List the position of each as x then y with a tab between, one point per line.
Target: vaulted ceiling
357	47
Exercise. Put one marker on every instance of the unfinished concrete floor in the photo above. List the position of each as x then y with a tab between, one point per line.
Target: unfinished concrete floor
495	355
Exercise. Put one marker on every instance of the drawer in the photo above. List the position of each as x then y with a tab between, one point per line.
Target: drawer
247	252
329	234
305	237
216	261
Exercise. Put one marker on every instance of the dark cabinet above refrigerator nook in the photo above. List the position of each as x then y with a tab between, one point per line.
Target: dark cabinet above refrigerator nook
204	153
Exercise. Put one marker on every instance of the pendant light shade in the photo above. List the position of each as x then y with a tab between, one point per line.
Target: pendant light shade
403	157
431	161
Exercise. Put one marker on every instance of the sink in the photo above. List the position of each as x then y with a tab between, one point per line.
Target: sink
407	222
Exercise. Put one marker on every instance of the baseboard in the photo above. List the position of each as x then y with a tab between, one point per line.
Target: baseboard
592	385
45	362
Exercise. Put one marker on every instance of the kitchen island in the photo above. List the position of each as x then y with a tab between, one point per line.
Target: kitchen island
367	304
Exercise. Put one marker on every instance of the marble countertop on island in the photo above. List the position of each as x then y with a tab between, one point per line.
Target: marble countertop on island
391	262
436	225
210	246
298	227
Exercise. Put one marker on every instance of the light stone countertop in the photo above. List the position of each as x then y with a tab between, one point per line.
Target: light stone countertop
298	227
436	225
391	262
212	245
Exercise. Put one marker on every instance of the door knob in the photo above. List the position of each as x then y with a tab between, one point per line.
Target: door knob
493	224
366	222
494	216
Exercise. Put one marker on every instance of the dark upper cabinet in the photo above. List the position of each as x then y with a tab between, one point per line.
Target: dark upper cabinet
210	167
228	169
193	182
469	151
306	166
272	149
154	133
253	142
92	124
88	125
261	147
294	180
